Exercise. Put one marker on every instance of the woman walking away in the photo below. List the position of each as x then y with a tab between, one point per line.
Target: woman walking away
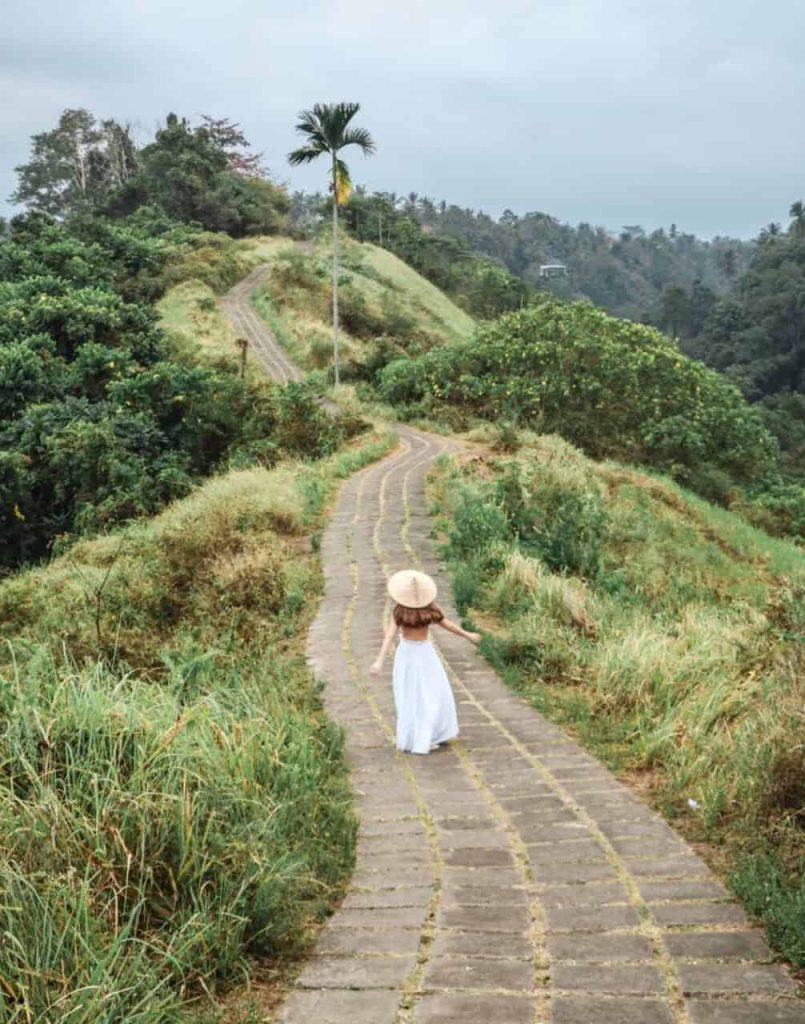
426	710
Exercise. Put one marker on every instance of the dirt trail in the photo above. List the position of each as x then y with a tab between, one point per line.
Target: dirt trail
510	879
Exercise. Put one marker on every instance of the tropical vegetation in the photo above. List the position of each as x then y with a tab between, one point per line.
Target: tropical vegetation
173	800
665	633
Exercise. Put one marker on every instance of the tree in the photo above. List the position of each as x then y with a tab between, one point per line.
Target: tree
326	129
76	166
204	174
797	213
729	263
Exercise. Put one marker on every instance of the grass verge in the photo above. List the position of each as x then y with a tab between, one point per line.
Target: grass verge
172	799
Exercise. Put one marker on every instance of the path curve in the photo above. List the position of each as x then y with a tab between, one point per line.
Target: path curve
509	879
237	305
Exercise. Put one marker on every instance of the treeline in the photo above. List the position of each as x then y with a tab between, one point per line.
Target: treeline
756	333
204	174
482	286
626	273
737	306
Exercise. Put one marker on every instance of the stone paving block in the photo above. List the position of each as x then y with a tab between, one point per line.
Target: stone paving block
407	896
458	876
598	947
378	809
642	846
371	846
450	803
521	776
485	919
717	945
592	918
471	839
699	979
617	979
354	972
670	914
514	975
399	826
684	866
544	815
650	828
463	1009
388	917
394	860
486	944
532	803
705	889
724	1011
594	1010
584	895
470	822
327	1007
368	940
478	858
574	872
584	850
532	830
369	878
476	895
607	813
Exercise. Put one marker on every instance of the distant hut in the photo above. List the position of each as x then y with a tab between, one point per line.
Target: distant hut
553	269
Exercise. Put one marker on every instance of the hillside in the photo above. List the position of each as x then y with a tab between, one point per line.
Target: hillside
386	308
164	743
666	634
167	656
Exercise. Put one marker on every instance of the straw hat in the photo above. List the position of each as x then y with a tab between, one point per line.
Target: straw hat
412	589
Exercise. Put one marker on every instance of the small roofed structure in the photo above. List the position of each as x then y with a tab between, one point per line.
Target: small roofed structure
553	269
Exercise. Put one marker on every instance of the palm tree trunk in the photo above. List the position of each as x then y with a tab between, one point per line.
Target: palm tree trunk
335	272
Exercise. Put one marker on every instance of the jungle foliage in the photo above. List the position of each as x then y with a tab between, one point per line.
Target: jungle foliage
101	419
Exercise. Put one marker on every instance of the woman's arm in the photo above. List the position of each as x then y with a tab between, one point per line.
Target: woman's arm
451	627
377	664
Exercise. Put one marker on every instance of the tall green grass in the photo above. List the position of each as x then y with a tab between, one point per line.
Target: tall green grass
665	633
172	799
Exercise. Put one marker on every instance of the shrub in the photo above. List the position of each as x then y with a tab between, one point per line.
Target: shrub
555	512
615	388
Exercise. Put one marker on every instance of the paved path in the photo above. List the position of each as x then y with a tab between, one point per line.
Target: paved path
510	879
262	343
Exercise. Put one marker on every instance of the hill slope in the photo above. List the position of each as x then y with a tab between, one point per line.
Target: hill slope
667	634
384	305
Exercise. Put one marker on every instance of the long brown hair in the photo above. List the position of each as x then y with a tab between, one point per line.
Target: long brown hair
416	618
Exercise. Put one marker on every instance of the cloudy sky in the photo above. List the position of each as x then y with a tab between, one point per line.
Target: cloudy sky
609	111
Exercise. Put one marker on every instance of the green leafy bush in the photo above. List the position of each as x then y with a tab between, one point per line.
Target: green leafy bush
617	389
558	514
98	423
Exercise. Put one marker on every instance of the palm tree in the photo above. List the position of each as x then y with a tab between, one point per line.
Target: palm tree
326	129
797	211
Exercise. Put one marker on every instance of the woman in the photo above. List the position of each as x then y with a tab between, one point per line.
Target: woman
426	709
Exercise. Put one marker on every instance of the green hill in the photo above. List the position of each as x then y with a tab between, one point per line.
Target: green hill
386	308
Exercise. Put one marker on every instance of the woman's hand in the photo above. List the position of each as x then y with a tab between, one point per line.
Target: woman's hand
375	669
474	637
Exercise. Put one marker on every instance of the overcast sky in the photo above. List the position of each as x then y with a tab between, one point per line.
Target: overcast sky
608	111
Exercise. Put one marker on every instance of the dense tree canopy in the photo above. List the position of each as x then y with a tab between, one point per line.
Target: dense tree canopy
99	419
203	174
615	388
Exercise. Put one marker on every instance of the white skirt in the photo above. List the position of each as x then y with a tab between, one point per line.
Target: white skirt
426	710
